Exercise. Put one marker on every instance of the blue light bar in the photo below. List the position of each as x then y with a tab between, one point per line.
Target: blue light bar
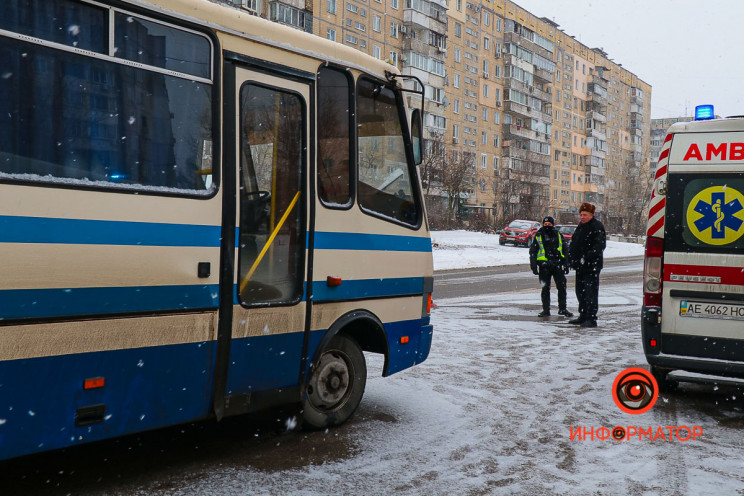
704	113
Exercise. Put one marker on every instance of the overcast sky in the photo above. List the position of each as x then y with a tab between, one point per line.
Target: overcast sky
687	50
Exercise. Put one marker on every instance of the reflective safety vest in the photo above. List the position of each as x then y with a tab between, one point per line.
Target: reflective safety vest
541	251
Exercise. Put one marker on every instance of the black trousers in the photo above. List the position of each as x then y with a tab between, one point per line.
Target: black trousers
587	292
554	270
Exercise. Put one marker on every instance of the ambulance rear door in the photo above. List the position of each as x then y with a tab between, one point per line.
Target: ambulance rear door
703	289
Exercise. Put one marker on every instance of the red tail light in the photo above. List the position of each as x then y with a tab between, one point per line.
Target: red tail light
653	270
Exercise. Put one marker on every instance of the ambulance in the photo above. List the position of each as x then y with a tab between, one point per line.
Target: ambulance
693	280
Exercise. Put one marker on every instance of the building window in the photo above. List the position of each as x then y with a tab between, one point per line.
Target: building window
394	29
458	29
484	162
485	91
253	6
393	57
376	23
456	106
331	34
331	6
376	51
287	15
394	4
495	162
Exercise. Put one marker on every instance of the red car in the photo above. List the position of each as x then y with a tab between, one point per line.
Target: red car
567	230
519	232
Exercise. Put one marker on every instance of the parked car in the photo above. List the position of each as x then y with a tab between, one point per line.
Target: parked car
567	230
519	232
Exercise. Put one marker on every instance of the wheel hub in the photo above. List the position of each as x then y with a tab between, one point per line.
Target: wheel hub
330	383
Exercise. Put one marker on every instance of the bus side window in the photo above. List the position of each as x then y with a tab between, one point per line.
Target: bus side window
272	239
385	182
334	143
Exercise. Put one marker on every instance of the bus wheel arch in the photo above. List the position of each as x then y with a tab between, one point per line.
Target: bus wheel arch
338	374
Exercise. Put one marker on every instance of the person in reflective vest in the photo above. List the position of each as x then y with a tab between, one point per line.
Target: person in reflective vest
548	260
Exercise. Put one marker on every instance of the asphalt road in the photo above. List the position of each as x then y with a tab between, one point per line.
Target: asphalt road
517	278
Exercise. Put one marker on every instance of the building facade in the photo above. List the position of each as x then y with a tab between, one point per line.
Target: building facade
541	121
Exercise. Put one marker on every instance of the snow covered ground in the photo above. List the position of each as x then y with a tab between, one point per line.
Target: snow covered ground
490	412
466	249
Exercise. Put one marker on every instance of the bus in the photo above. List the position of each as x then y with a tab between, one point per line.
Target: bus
202	214
693	304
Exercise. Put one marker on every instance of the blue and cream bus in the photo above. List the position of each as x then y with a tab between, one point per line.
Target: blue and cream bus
202	214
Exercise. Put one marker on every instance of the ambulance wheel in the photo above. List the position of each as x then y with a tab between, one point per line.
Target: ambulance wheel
336	385
660	374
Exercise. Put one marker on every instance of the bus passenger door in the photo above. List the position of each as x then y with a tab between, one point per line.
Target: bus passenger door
270	143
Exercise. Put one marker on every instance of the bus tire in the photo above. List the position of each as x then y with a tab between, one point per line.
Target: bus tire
336	385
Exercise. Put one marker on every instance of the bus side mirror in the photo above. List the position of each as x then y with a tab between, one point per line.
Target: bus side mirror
417	136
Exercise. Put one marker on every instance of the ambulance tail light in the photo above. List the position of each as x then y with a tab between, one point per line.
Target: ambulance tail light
653	269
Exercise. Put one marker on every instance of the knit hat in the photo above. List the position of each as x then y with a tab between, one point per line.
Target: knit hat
588	207
548	219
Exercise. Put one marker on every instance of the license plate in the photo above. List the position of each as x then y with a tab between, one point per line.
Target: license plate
711	310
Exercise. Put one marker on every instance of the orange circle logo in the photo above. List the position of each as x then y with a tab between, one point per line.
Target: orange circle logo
635	390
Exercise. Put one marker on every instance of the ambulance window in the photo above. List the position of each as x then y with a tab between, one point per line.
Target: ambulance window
705	213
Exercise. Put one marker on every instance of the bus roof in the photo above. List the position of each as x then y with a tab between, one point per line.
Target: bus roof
237	22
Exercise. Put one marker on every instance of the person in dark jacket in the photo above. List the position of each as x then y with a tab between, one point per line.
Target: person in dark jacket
586	258
548	259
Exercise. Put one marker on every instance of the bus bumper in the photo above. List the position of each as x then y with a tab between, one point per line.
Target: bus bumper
407	347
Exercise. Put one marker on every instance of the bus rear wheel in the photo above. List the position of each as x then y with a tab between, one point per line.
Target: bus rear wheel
336	385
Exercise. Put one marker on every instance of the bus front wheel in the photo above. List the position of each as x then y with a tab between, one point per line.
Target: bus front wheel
336	385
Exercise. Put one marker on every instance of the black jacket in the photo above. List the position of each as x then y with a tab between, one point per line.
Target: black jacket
551	239
588	243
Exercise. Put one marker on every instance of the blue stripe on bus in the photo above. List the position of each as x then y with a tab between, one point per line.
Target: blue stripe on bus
104	232
362	241
367	288
38	303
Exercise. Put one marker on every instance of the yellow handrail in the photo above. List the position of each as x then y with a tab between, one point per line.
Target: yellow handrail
269	241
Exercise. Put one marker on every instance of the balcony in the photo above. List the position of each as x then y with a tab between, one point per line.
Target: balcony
435	21
636	96
527	44
514	131
542	74
520	150
596	133
516	84
521	109
597	116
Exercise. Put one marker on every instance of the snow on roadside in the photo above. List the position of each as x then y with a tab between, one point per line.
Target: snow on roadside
466	249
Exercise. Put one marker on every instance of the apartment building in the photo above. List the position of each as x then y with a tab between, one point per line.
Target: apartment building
658	132
543	121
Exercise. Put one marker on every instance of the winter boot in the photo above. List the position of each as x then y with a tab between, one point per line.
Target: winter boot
544	313
565	313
